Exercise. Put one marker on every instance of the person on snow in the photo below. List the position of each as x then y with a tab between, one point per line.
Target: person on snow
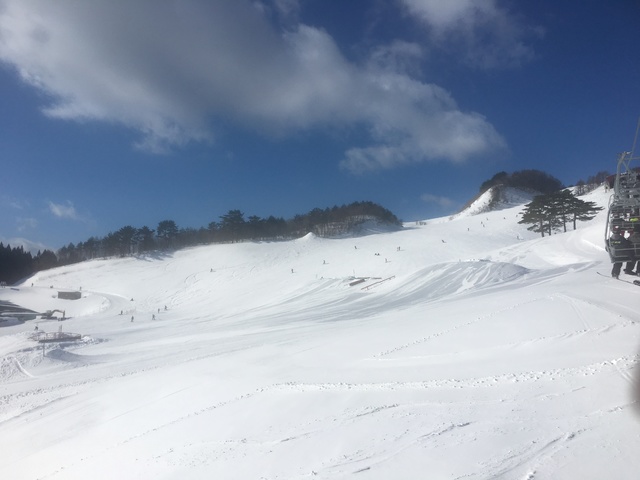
634	238
620	248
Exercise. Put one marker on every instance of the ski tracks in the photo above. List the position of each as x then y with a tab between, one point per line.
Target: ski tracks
526	457
454	328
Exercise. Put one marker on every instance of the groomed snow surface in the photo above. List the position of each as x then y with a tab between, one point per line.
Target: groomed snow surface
473	349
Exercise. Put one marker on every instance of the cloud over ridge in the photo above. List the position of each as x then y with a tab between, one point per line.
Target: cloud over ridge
173	70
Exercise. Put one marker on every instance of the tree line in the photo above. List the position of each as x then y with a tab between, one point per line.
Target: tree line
592	182
549	212
233	226
524	179
15	263
541	182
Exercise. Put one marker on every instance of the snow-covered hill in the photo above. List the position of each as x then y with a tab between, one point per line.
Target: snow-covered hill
465	348
497	198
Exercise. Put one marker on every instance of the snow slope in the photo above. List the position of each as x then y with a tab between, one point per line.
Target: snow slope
464	348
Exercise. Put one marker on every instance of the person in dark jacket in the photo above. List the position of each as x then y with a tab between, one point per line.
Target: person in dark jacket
620	248
634	263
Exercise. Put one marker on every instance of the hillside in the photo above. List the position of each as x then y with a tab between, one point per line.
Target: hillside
464	347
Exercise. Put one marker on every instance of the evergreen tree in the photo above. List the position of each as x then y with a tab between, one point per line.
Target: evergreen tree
92	248
232	224
44	261
167	232
583	211
536	214
255	227
546	213
560	206
126	240
15	263
144	238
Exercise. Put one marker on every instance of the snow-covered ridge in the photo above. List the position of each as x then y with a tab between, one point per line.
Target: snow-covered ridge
497	198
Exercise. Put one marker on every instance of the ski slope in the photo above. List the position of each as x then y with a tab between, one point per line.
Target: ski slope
457	348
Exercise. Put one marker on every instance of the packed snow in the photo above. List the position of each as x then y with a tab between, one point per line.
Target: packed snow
457	348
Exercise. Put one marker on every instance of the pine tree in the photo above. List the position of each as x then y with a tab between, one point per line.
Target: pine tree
167	231
546	213
583	211
144	238
535	214
233	224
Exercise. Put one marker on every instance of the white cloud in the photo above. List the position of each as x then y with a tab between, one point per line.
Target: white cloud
172	70
399	56
416	121
438	200
67	210
26	223
13	203
443	15
484	33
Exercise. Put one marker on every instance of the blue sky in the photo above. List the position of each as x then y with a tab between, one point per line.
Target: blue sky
129	113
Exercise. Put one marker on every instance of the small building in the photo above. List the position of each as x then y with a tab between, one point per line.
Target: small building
70	295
